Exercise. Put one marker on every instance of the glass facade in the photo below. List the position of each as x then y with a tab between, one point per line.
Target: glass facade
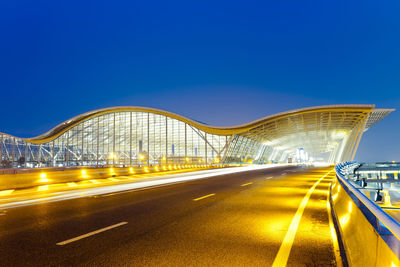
121	139
132	137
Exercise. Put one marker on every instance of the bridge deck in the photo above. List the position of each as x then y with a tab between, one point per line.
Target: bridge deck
253	218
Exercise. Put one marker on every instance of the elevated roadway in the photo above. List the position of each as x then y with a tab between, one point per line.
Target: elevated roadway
259	217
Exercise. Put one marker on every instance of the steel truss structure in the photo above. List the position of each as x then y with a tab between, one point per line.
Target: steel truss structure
137	136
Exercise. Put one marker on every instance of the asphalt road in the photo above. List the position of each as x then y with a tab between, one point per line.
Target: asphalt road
251	218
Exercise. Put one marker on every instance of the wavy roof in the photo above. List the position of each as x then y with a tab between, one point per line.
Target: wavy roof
237	129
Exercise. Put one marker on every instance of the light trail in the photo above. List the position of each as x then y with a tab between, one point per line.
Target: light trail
128	186
6	192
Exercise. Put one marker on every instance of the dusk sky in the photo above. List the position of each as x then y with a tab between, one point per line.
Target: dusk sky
219	62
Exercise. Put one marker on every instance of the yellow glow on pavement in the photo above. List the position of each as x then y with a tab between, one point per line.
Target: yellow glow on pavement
275	229
131	170
286	246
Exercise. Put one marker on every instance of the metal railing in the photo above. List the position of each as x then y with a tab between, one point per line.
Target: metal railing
391	224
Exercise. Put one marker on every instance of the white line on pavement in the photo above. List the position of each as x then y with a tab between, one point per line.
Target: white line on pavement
90	234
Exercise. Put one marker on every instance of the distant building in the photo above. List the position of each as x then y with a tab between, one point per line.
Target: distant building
132	136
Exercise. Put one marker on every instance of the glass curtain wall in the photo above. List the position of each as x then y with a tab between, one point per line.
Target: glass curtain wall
129	138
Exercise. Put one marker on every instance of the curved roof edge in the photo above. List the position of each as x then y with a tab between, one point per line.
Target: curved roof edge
226	130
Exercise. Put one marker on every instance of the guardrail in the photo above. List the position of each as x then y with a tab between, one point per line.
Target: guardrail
370	237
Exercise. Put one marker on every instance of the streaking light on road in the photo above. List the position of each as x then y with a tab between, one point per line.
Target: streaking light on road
171	179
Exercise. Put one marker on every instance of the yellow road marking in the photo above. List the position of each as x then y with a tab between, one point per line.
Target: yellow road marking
6	192
203	197
114	179
284	251
72	184
90	234
247	184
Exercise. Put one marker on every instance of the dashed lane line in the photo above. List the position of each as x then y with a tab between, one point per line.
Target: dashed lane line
203	197
90	234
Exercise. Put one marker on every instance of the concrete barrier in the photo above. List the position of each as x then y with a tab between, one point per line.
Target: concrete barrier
25	178
369	236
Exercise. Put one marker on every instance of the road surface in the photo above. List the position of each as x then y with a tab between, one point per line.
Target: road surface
252	218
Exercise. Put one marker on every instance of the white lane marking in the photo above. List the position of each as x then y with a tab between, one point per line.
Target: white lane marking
247	184
283	173
203	197
90	234
269	178
284	251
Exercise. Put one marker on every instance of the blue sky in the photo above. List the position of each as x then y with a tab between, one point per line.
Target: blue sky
220	62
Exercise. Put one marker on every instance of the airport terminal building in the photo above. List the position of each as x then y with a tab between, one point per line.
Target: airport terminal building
140	136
